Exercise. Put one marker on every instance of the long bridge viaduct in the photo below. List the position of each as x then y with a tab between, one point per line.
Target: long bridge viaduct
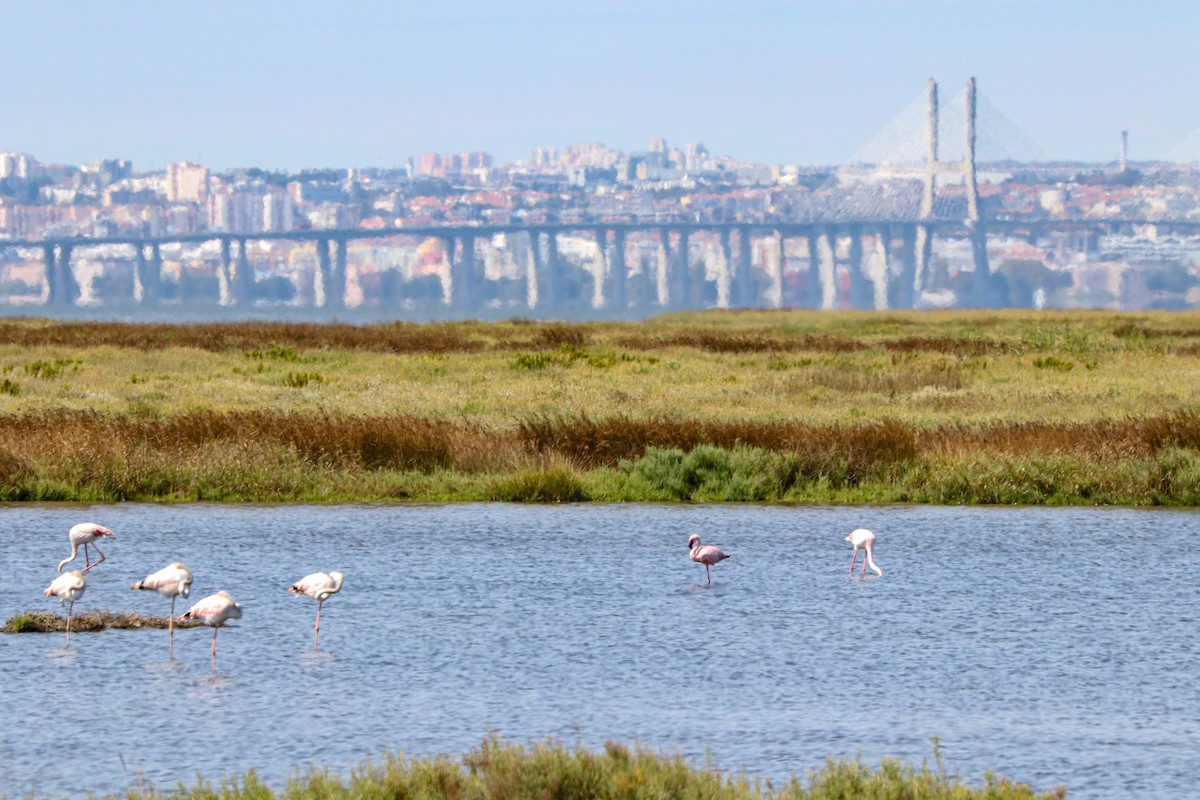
909	239
898	235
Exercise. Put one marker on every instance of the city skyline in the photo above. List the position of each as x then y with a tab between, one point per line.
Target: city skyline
304	85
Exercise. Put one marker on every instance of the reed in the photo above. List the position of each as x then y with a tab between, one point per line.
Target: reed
499	771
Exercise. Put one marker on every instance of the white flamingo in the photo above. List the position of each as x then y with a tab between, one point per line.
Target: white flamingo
863	538
214	610
706	554
319	586
85	533
173	580
68	588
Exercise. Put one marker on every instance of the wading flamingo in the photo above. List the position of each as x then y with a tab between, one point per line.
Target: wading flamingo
214	610
68	588
85	533
173	580
318	586
866	540
706	554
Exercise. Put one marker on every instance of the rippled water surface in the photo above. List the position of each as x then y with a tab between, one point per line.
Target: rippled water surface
1050	645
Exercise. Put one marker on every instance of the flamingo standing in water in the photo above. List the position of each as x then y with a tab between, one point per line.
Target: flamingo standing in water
318	586
68	588
706	554
214	610
85	533
173	580
866	540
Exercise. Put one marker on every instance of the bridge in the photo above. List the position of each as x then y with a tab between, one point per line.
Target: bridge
896	222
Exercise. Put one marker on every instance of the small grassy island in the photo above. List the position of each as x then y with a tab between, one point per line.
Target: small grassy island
500	771
808	407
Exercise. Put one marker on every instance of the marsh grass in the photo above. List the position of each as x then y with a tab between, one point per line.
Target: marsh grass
86	622
796	406
500	771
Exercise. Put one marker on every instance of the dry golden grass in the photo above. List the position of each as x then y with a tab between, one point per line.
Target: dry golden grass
275	410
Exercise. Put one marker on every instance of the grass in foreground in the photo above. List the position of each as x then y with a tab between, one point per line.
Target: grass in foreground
500	771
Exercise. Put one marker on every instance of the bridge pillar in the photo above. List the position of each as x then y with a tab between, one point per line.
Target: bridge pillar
684	262
324	274
149	274
901	291
862	295
731	270
618	272
816	276
600	274
225	274
883	250
335	294
744	285
63	290
463	277
982	283
827	252
551	270
243	277
49	262
924	252
534	291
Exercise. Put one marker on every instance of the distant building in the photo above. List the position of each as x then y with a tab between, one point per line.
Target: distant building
187	183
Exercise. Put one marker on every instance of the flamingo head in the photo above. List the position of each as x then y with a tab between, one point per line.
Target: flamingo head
693	541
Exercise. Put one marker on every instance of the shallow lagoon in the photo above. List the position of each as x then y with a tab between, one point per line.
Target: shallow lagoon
1049	645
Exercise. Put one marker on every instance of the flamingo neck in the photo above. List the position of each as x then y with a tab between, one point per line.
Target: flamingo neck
74	553
871	563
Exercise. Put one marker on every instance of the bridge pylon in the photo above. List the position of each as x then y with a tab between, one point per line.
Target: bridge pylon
967	169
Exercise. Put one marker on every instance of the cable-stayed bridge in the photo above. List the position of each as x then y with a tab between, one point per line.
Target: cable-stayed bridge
864	238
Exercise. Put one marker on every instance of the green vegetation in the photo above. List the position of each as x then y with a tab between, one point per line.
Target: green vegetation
85	621
500	771
927	407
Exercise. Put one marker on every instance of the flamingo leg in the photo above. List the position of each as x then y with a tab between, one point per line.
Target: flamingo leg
317	626
87	556
707	574
70	608
171	631
214	647
852	559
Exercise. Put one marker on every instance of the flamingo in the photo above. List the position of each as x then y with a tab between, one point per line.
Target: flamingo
866	540
68	588
706	554
173	580
318	586
214	610
85	533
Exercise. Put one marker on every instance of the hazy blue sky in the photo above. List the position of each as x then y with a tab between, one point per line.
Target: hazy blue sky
307	84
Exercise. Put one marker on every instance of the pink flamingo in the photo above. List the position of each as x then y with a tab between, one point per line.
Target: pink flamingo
706	554
85	533
173	580
866	540
214	610
68	588
319	586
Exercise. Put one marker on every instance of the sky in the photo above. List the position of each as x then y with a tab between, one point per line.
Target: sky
302	84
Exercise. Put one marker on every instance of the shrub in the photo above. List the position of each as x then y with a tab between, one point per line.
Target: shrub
557	484
298	380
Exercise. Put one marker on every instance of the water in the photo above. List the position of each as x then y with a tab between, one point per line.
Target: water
1049	645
